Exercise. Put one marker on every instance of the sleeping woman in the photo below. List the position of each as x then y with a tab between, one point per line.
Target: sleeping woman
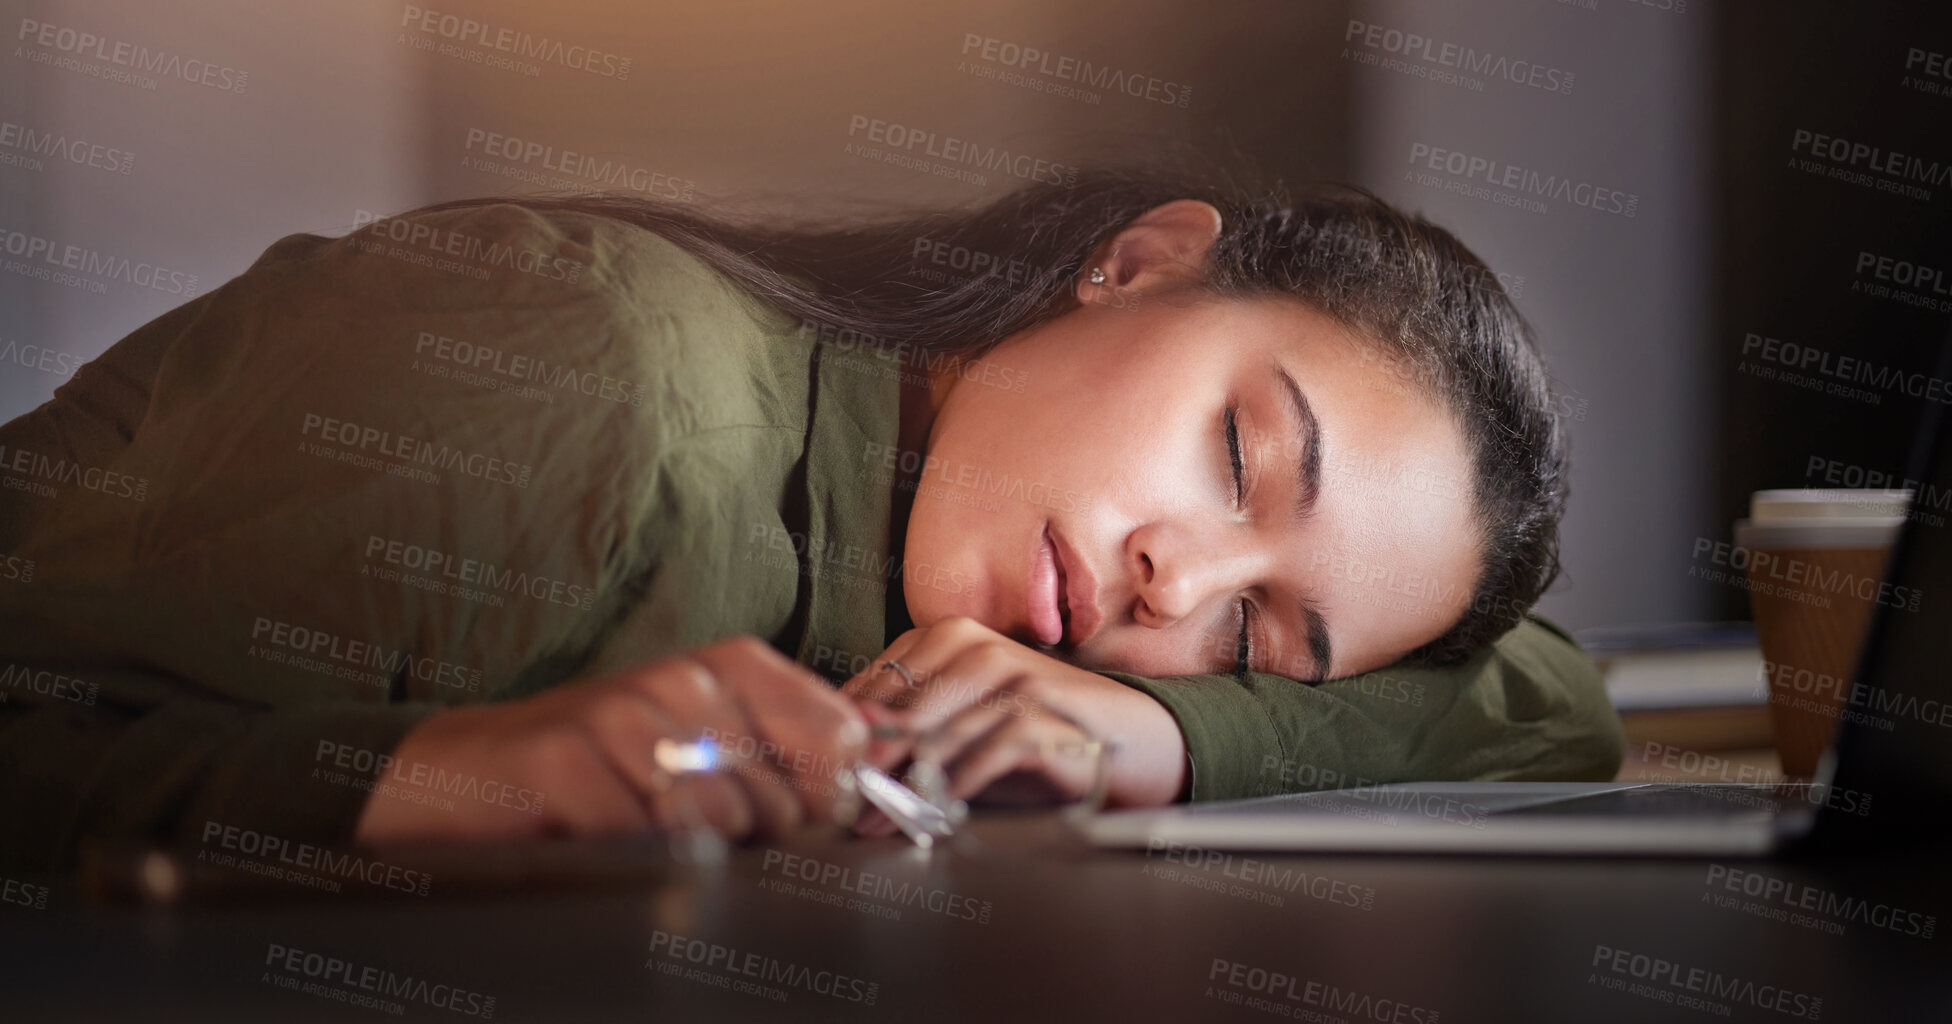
435	529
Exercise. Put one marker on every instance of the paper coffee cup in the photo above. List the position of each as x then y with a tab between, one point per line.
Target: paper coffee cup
1815	563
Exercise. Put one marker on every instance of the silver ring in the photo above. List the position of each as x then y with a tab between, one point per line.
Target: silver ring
902	670
674	758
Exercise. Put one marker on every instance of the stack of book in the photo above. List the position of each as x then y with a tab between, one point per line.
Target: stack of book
1689	694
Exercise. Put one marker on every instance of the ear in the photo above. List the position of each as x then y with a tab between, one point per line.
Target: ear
1165	247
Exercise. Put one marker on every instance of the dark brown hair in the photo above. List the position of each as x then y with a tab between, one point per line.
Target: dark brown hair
1439	315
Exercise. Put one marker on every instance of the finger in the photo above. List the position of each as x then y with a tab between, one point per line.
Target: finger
948	742
626	731
604	801
680	702
874	824
810	731
955	679
940	695
778	806
691	696
704	800
884	751
920	653
677	701
865	679
890	740
881	828
937	727
1050	751
891	682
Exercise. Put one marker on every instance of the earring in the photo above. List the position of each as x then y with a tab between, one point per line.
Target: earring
1097	275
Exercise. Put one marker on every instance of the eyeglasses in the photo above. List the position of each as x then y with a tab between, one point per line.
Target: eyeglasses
1064	765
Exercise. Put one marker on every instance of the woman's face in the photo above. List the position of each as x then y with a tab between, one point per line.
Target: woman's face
1148	490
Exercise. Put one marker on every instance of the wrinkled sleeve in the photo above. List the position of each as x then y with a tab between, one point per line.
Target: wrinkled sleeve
368	478
1530	706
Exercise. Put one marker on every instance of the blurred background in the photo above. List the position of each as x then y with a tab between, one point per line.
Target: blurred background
156	149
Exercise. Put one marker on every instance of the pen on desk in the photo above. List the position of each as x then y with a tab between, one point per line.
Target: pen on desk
163	876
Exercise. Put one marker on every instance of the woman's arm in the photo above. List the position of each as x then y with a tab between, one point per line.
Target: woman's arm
287	522
104	741
586	755
1531	706
152	761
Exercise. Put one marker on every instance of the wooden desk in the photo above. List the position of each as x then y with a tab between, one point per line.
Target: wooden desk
1042	931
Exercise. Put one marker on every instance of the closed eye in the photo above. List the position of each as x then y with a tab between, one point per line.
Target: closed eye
1243	645
1233	455
1244	648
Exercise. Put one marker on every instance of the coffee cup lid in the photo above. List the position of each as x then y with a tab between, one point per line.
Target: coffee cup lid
1804	504
1819	532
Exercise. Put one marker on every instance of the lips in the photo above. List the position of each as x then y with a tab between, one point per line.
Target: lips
1081	615
1061	599
1046	593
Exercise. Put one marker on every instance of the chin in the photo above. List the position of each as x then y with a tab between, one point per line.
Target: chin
927	606
955	548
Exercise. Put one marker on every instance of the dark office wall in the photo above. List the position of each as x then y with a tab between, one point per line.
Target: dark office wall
1615	274
1796	222
322	110
760	98
288	117
1642	318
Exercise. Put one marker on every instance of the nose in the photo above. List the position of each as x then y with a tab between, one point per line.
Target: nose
1177	569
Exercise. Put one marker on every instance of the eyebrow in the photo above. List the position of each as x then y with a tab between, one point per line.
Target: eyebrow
1318	643
1320	648
1310	438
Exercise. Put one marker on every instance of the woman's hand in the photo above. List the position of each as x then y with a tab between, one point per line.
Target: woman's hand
988	696
587	751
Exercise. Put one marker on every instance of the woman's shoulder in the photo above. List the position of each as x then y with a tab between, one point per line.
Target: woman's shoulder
583	253
562	296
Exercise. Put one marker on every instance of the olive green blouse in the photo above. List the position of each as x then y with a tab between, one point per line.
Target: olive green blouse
467	455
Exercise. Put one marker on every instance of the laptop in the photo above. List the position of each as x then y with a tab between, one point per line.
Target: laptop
1873	783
